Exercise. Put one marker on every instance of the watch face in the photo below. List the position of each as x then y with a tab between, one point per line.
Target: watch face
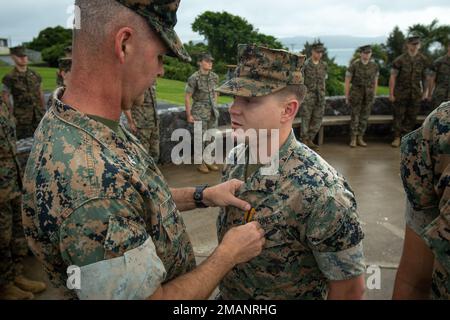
197	196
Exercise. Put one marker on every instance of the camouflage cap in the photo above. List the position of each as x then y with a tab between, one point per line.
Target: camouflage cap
161	16
205	56
68	50
65	64
18	51
318	47
365	49
262	71
413	38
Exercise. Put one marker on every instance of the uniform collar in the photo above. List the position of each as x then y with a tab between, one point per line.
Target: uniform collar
100	132
268	183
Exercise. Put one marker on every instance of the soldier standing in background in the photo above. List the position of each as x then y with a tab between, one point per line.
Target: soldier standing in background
25	87
59	76
439	80
407	87
13	246
143	122
201	88
64	71
362	75
313	108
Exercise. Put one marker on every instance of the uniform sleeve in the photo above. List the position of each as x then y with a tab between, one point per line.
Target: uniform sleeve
6	84
434	67
417	176
116	255
350	71
335	237
396	66
191	85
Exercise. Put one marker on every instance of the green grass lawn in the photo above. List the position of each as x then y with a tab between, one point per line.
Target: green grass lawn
170	91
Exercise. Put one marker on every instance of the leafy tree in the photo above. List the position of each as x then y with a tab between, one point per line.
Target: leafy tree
50	37
395	44
52	54
431	34
224	31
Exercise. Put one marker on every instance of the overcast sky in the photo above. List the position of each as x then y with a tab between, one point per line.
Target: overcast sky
21	20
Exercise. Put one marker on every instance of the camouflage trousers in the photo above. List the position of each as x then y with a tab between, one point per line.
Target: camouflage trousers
208	124
149	138
439	98
25	131
440	287
13	246
361	107
312	111
405	115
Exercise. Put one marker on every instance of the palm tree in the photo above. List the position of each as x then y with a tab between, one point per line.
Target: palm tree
431	33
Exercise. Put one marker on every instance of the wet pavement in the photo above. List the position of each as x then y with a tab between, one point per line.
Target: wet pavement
372	172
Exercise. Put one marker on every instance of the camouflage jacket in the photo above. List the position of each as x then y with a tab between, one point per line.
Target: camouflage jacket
411	75
441	69
145	116
363	75
309	215
425	172
92	198
9	166
25	88
315	77
202	87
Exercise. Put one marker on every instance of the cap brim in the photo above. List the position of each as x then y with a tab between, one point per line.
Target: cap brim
171	39
243	87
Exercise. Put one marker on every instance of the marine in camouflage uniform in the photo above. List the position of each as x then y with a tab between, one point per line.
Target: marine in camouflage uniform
201	87
307	209
13	246
59	76
94	198
363	77
313	108
425	172
65	66
25	89
440	74
145	118
409	72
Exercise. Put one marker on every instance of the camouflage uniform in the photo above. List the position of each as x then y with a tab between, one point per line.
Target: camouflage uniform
362	94
411	75
441	70
313	107
25	88
204	108
13	245
95	198
307	209
147	123
425	172
92	197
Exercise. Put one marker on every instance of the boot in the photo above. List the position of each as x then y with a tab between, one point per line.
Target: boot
396	142
11	292
361	142
203	168
312	145
353	142
29	285
212	167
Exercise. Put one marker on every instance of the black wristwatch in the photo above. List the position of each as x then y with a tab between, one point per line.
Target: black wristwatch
198	196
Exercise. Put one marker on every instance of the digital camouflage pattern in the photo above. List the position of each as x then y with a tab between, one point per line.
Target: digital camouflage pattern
25	88
441	71
202	87
92	196
309	215
313	107
425	171
161	16
362	94
147	123
262	71
12	241
409	87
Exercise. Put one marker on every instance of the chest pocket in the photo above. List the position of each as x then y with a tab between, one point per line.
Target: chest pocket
275	228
